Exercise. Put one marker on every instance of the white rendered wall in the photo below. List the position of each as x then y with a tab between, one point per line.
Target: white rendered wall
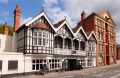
5	57
6	43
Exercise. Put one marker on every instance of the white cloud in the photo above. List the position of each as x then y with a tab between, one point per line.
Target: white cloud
4	14
73	8
4	1
24	20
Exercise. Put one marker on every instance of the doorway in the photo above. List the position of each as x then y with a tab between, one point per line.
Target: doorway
72	64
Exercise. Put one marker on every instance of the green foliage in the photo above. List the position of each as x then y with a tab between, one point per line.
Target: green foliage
10	29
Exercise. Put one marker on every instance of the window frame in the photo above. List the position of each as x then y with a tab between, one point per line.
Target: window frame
43	37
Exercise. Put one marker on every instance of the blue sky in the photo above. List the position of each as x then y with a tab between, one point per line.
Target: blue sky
58	9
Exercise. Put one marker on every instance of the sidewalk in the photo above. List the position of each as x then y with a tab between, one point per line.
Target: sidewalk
60	74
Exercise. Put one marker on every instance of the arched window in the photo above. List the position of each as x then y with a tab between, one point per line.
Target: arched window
82	45
112	59
100	58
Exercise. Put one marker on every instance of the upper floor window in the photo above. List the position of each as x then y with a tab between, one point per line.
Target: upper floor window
98	35
82	45
98	47
40	38
91	46
102	47
101	36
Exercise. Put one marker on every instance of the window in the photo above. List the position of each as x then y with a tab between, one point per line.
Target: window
91	46
112	59
40	38
0	65
82	45
98	35
100	58
37	63
89	62
101	36
98	47
12	65
102	47
97	21
82	62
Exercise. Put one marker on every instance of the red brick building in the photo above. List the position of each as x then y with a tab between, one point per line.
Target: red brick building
104	28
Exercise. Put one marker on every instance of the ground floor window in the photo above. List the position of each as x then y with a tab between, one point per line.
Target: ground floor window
112	59
37	63
82	62
12	65
100	58
89	62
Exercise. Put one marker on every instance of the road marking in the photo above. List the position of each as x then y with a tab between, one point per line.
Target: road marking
115	76
67	76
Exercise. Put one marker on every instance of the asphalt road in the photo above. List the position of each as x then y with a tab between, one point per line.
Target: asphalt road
113	72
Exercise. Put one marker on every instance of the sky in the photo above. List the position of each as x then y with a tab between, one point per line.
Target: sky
58	9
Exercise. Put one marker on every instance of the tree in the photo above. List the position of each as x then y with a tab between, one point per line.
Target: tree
10	29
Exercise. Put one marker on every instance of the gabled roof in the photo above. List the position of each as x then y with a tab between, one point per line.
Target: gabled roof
40	25
42	13
104	12
56	25
80	28
77	27
62	23
92	34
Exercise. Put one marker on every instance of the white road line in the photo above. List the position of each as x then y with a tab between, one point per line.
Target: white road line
115	76
67	76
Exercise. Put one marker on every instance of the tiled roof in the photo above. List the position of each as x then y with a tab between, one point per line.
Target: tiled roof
92	39
88	33
76	28
40	25
59	23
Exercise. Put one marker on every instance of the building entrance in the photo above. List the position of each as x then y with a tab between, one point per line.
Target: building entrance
72	64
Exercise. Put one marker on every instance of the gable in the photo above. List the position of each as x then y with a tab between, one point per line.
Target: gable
65	31
105	14
92	38
41	17
81	35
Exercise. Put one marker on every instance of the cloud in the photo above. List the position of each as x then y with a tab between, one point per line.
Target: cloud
4	14
4	1
24	20
73	8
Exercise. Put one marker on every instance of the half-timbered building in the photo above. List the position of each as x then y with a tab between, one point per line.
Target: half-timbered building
38	41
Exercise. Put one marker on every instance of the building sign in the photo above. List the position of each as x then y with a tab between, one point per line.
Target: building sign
74	52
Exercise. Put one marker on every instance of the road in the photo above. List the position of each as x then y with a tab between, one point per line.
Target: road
113	72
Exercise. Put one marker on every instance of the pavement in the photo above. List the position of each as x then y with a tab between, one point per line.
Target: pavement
108	71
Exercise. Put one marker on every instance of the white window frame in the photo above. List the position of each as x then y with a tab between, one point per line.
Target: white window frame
51	61
92	46
100	58
42	37
83	62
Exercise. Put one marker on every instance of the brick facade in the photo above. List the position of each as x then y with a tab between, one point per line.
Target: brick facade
104	28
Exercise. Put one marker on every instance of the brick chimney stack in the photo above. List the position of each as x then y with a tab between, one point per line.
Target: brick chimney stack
16	18
5	29
83	15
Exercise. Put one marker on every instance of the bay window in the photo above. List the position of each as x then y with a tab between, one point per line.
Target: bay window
40	38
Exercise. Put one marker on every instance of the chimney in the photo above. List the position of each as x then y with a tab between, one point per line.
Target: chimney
5	29
16	18
83	15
